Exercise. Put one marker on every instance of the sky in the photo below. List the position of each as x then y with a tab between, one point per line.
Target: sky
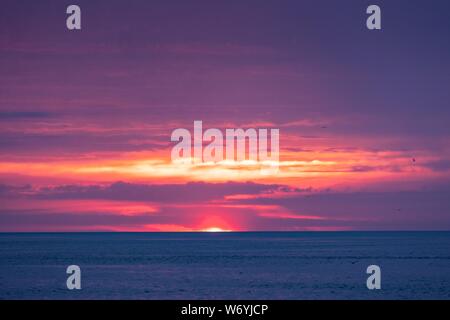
86	116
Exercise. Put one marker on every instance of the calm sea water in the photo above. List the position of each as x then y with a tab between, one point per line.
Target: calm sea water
266	265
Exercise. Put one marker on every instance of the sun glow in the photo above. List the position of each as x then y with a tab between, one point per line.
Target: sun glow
215	229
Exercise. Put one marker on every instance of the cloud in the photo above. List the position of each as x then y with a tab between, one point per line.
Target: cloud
231	206
396	210
21	115
438	165
163	193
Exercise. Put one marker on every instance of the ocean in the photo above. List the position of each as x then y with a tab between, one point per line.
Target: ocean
228	265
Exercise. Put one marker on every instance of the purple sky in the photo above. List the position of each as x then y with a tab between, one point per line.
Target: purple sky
364	115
